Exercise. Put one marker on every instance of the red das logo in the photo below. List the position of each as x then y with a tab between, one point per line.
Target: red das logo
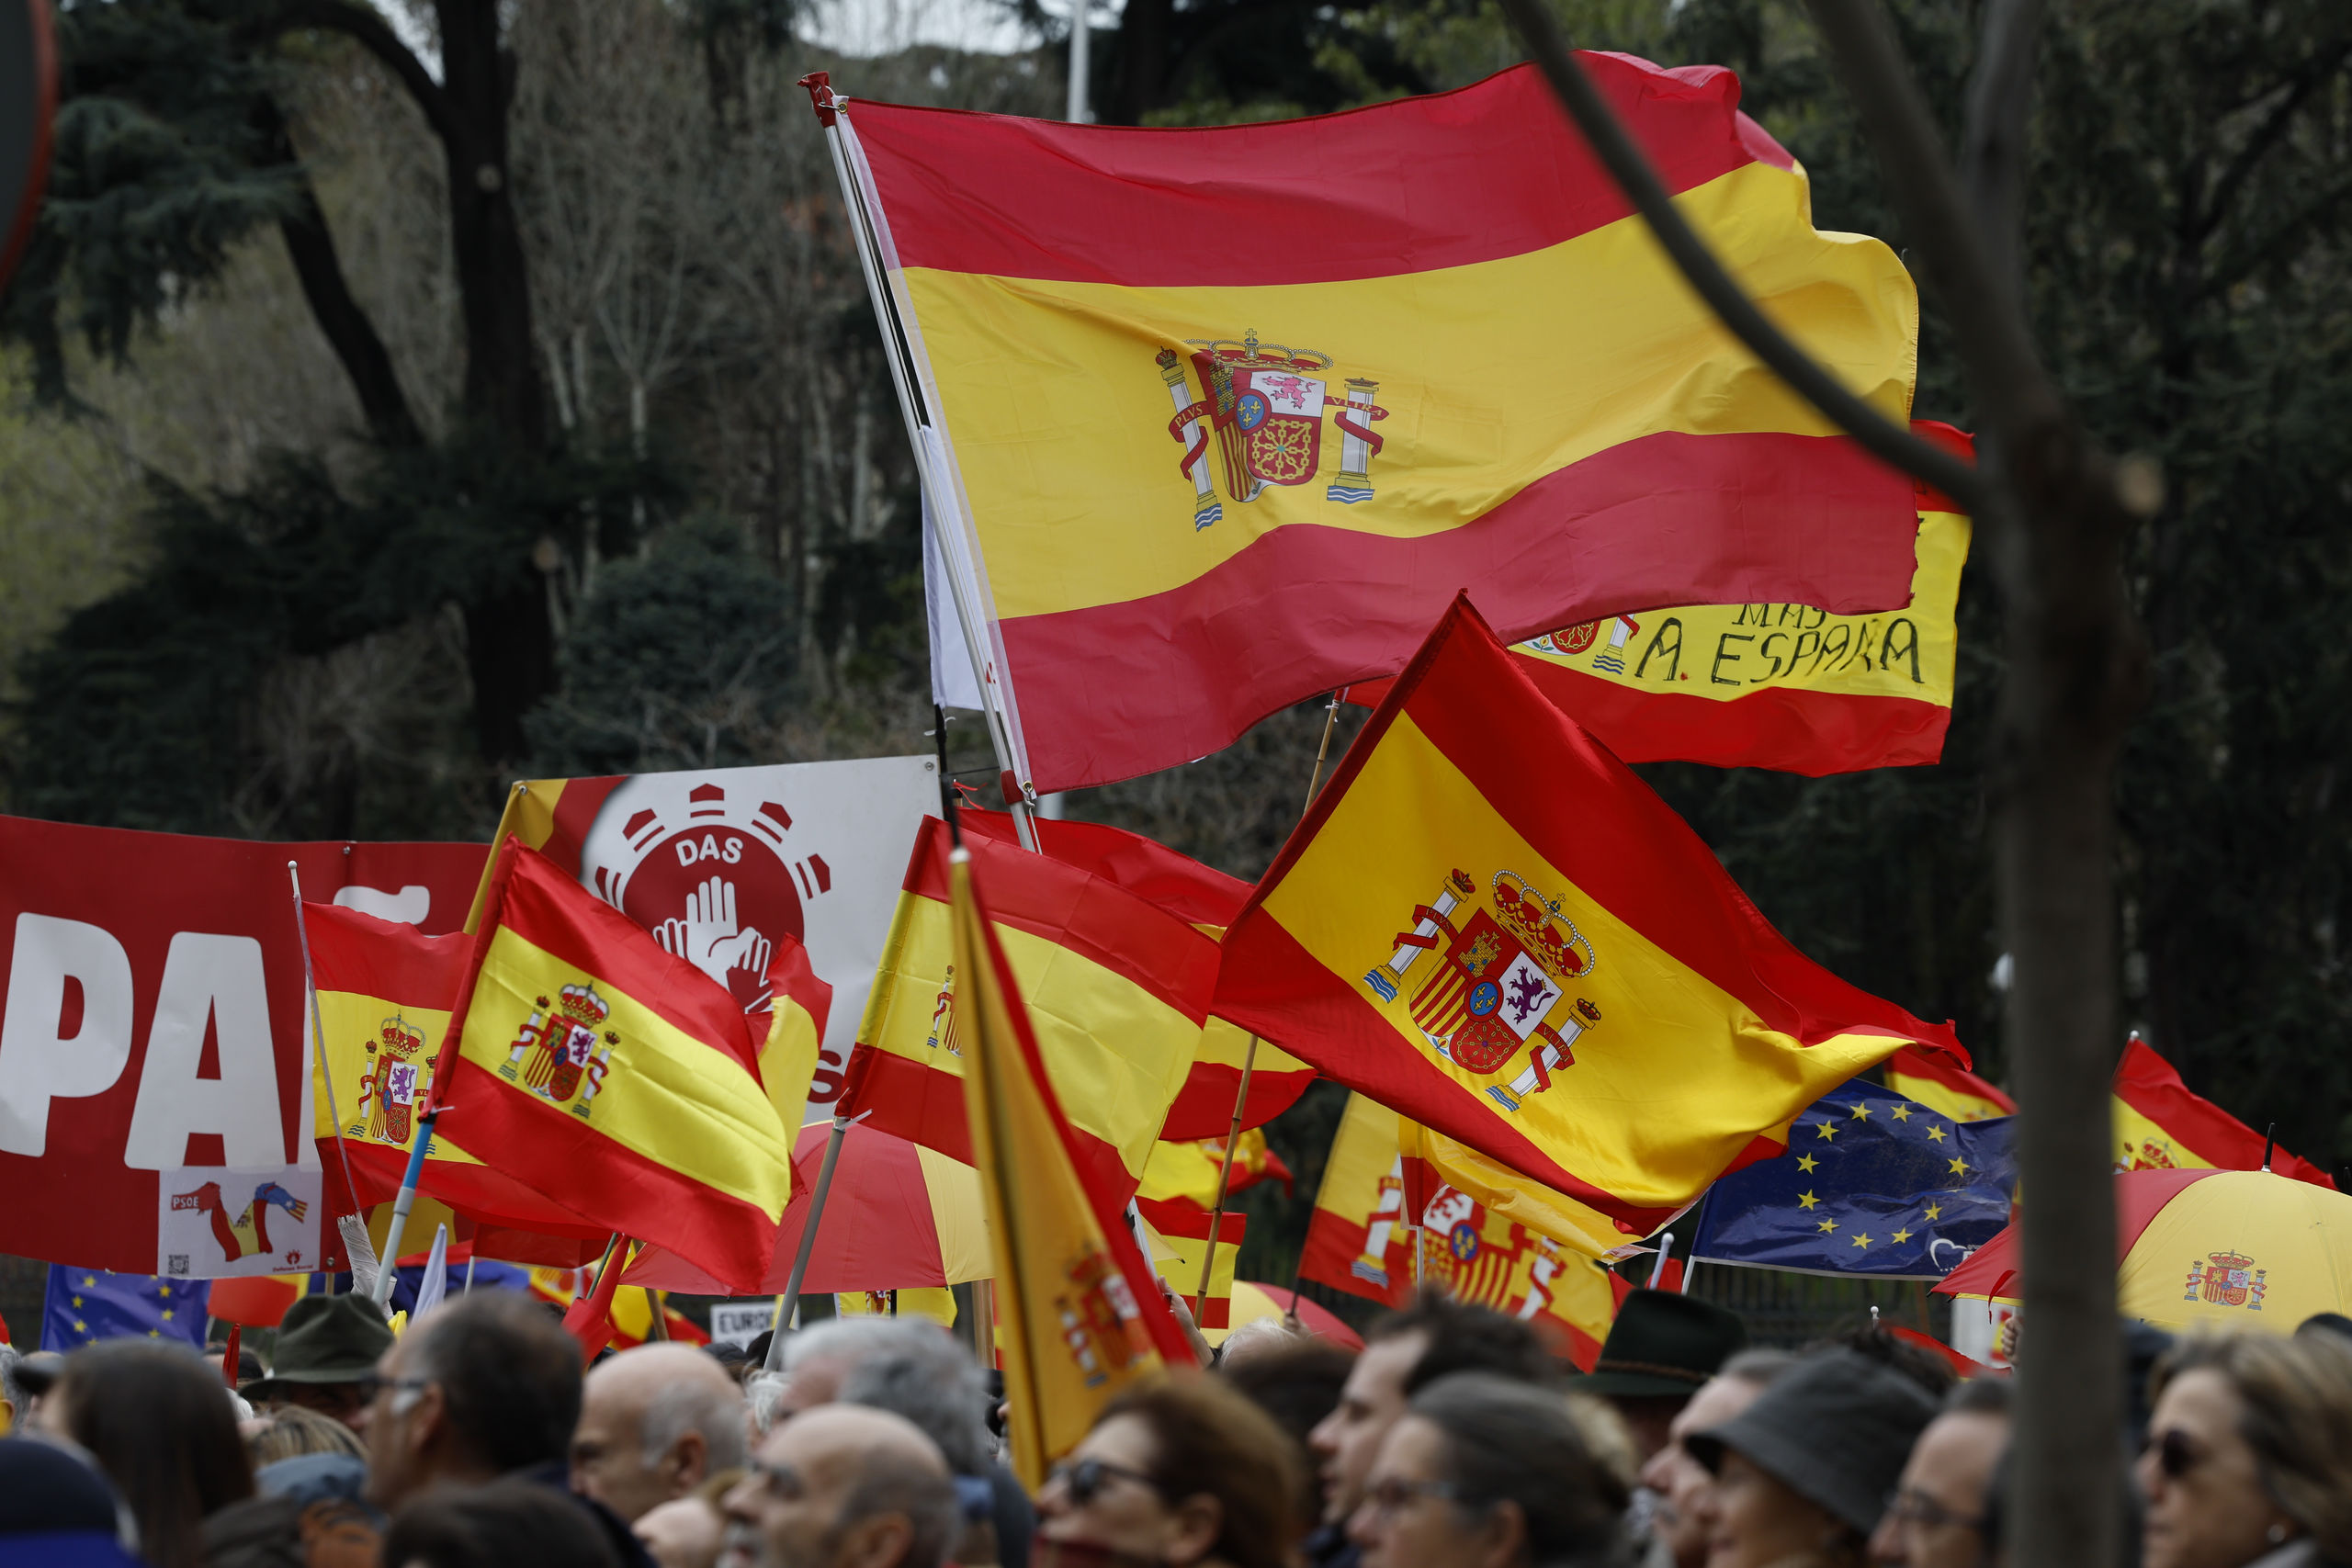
719	863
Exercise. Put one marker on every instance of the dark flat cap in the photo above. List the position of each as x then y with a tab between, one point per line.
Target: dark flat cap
1662	1345
1834	1429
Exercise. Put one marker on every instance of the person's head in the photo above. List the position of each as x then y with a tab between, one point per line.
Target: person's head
1681	1484
10	1395
654	1422
682	1532
929	1379
489	1384
1484	1473
1662	1346
290	1431
495	1525
1807	1467
164	1430
1434	1338
1297	1382
30	1380
1178	1472
817	1359
843	1486
1258	1336
1915	1361
51	1488
328	1347
2250	1448
1941	1513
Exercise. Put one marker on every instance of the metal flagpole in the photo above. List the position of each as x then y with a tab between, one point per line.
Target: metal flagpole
901	379
318	1033
1079	25
791	1302
401	1205
1657	1269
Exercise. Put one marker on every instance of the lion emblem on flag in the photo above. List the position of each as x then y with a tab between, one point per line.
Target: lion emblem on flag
1261	404
563	1051
1501	983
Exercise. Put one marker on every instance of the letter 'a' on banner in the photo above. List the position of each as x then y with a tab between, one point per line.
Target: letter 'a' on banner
1781	686
1080	1311
1196	481
1489	923
615	1078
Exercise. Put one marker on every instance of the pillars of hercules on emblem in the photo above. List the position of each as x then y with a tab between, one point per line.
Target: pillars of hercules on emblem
1194	434
1357	444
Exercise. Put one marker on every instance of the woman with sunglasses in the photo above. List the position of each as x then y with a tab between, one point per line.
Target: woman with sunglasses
1177	1473
2249	1455
1484	1473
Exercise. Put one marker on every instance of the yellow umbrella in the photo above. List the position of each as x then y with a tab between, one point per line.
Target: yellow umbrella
2207	1250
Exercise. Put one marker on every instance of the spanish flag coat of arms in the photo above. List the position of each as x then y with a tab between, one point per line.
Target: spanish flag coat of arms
1487	923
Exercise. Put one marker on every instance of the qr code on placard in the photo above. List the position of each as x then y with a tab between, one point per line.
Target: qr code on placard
178	1264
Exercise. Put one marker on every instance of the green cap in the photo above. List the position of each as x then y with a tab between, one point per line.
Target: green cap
1663	1344
325	1339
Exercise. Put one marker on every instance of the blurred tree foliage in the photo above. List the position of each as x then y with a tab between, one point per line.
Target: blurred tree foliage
277	625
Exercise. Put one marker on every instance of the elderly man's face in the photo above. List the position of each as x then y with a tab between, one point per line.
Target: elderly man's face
788	1512
1681	1484
1938	1517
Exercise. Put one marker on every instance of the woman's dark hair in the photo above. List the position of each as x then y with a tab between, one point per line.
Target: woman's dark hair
497	1526
1506	1441
1207	1438
1297	1384
159	1423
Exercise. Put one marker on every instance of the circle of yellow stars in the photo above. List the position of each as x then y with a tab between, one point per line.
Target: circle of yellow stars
90	1282
1827	1131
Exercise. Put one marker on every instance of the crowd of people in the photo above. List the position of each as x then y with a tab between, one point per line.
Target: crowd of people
1456	1439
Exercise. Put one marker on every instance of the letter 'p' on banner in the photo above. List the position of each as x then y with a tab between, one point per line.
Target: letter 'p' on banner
153	1062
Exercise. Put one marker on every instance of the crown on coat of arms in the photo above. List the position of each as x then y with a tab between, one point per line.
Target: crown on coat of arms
583	1005
400	1038
1550	937
1246	353
2229	1260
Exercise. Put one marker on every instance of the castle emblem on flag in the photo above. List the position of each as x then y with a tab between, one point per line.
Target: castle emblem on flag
1501	983
2226	1279
559	1051
392	1086
1099	1321
1263	405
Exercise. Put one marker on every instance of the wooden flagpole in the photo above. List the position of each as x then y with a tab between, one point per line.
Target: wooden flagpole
1250	1063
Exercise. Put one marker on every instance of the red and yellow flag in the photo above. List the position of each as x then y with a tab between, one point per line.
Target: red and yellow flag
1187	1172
1227	414
1358	1239
2160	1125
1484	907
1117	988
1939	1084
1202	897
1080	1314
615	1078
1781	686
384	995
1184	1231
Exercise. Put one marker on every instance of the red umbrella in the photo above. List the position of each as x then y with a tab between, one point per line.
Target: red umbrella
899	1216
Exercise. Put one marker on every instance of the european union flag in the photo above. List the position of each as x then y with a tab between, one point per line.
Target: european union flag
86	1304
1872	1183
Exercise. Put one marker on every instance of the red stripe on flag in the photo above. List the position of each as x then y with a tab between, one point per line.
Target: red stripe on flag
923	1106
1443	180
1184	886
351	952
1203	1107
1116	689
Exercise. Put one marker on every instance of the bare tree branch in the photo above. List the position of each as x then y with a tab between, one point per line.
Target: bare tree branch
367	27
1630	167
2266	136
1993	153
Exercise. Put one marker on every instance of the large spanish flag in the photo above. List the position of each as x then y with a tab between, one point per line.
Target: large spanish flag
1117	987
1488	923
1082	1316
1359	1240
1209	900
1225	416
1781	686
615	1078
2161	1125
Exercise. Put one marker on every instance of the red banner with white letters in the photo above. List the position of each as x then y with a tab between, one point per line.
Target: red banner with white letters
154	1085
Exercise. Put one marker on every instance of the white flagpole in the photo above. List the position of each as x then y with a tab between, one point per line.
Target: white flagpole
968	613
1078	41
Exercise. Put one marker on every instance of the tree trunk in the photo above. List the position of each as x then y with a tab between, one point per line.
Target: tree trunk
502	387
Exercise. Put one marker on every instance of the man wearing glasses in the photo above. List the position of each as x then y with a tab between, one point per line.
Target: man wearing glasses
1938	1517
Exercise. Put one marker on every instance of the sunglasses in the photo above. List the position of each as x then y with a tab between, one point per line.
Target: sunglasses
1086	1479
2176	1454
